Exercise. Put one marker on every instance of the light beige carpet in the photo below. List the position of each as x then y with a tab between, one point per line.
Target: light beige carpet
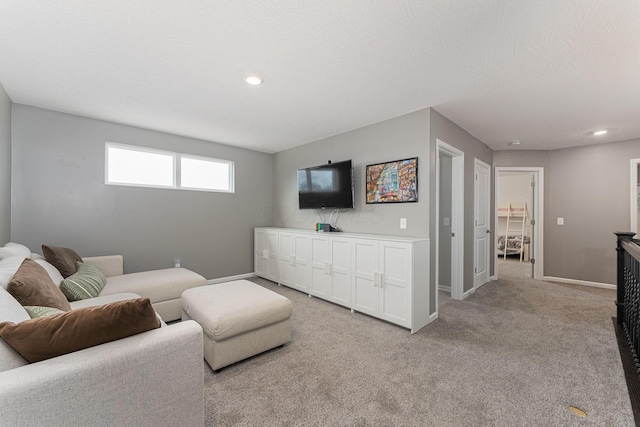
516	353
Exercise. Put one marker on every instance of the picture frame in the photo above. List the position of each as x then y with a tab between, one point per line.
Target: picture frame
392	182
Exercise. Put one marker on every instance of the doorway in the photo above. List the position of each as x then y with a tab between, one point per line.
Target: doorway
449	260
518	238
635	195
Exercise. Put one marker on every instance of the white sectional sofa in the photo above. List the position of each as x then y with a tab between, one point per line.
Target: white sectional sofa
148	379
151	379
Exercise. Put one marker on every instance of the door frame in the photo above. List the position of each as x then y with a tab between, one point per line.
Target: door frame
538	246
457	219
475	216
633	185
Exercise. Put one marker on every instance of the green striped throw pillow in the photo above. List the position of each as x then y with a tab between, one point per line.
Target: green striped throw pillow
36	311
86	283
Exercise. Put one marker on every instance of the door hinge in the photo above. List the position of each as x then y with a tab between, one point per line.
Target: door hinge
475	269
533	183
533	222
533	260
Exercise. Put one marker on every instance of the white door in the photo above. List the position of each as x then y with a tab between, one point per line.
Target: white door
261	264
395	282
302	262
320	273
481	224
272	252
287	259
340	270
365	276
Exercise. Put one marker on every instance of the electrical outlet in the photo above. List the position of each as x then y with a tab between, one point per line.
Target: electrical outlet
403	223
176	262
447	222
560	221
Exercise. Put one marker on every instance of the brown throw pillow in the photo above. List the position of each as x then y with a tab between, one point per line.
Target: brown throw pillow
51	336
32	285
64	259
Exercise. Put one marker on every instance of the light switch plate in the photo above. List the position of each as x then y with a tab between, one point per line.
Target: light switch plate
403	223
560	221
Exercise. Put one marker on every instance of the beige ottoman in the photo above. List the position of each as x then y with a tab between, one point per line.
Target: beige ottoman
240	319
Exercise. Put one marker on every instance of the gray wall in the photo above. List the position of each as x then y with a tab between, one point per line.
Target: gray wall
398	138
589	188
59	198
5	167
445	130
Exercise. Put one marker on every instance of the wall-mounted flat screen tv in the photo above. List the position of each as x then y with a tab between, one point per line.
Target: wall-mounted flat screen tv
326	186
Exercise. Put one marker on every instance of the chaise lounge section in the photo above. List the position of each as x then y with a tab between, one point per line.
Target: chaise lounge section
162	287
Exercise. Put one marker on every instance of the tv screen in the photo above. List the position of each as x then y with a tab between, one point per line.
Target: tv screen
326	186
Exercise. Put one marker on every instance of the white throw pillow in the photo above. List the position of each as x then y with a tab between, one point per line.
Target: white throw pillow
8	267
14	249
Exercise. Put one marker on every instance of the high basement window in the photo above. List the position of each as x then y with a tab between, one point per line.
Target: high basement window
144	167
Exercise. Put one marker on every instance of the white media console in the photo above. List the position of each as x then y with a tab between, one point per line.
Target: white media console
383	276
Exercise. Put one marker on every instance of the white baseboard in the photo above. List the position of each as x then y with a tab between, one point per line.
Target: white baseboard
469	292
579	282
230	278
433	317
444	288
492	278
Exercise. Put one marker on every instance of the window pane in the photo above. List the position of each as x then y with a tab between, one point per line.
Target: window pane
205	174
126	166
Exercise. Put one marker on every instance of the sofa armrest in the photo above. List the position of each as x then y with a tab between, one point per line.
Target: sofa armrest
110	265
150	379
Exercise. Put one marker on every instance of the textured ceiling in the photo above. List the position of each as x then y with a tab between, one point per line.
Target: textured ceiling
544	72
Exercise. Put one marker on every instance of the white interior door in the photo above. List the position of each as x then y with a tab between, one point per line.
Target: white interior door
482	224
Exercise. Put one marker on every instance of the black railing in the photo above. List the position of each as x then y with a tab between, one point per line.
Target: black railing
628	297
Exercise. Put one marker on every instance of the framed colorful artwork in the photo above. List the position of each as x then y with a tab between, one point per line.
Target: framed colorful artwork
393	182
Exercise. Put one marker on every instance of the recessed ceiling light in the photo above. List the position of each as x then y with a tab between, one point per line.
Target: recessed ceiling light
514	142
254	80
599	132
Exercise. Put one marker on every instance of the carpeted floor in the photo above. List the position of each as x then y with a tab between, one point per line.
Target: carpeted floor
518	352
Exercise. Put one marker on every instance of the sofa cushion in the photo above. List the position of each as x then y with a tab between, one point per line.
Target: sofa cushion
31	285
51	336
85	283
64	259
103	299
14	249
36	311
10	311
55	275
157	285
8	267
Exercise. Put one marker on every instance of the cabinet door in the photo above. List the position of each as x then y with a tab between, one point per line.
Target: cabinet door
364	289
302	262
272	252
320	274
340	270
395	281
261	263
286	252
